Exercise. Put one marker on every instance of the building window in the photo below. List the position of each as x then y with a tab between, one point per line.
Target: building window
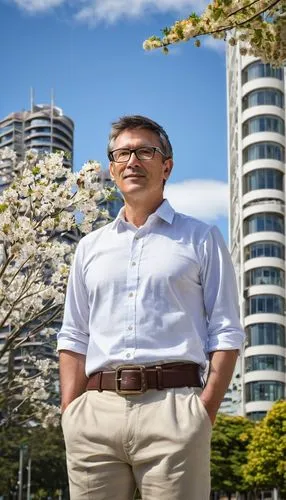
6	138
40	130
265	276
264	391
265	334
265	362
5	130
256	415
260	70
265	304
263	97
62	125
264	123
263	178
264	249
264	150
264	222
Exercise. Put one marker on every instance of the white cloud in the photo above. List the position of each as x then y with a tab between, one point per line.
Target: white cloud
205	199
112	10
94	11
38	5
214	44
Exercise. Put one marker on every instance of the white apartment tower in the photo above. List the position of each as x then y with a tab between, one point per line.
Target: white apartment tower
256	157
43	128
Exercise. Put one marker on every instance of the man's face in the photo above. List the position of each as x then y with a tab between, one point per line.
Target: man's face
140	176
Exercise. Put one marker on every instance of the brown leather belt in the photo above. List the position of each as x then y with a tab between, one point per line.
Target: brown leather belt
136	379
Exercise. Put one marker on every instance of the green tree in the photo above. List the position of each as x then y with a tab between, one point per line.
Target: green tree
230	438
266	462
46	449
260	26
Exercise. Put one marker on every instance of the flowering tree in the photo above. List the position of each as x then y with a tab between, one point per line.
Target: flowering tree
38	211
260	26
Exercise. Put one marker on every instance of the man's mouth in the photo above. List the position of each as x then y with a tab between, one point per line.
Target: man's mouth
131	176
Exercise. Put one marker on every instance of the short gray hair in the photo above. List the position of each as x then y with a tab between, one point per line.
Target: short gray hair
139	122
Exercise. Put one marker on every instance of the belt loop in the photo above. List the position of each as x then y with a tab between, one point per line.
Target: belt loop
100	382
159	373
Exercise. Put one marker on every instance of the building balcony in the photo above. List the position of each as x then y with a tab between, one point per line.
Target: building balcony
264	375
262	109
265	289
251	319
263	136
264	262
262	83
256	350
266	206
256	194
264	163
264	236
258	406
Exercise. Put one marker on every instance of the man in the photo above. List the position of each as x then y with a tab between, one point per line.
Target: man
150	297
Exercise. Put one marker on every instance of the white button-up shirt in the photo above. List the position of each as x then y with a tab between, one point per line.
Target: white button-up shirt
163	292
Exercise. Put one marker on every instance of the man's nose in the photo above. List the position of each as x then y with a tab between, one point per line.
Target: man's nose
133	160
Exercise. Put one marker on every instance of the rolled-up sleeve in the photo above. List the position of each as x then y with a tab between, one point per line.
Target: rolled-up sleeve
74	333
220	294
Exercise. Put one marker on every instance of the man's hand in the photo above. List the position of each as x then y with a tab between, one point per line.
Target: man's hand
221	368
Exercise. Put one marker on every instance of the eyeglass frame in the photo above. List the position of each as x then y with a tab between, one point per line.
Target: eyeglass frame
155	148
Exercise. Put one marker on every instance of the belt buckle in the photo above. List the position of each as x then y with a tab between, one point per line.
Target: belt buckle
118	371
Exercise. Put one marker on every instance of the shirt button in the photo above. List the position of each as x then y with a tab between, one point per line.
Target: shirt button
136	237
133	263
130	327
131	294
128	355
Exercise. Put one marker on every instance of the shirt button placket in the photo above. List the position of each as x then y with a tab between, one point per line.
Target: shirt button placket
132	280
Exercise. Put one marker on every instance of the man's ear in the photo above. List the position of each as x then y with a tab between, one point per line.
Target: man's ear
168	165
111	171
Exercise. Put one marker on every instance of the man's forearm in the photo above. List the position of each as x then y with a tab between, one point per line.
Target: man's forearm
72	376
221	368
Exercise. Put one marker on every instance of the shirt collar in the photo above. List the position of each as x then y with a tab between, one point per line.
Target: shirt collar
164	212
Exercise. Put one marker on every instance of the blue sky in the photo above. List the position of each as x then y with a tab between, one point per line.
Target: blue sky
90	52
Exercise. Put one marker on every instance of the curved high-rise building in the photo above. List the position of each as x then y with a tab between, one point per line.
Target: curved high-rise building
256	147
44	128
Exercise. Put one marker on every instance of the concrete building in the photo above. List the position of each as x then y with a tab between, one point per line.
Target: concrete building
256	156
44	128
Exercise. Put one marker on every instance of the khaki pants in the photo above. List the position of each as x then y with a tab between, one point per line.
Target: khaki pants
159	441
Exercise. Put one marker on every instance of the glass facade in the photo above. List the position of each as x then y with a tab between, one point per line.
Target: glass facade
65	135
264	391
260	70
259	304
264	222
38	121
6	138
264	150
5	130
265	362
63	126
265	334
40	130
263	178
264	249
256	415
265	276
263	97
263	123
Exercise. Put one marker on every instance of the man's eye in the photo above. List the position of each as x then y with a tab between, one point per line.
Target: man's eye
121	155
145	152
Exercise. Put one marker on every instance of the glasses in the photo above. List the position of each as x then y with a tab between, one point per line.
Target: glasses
144	153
